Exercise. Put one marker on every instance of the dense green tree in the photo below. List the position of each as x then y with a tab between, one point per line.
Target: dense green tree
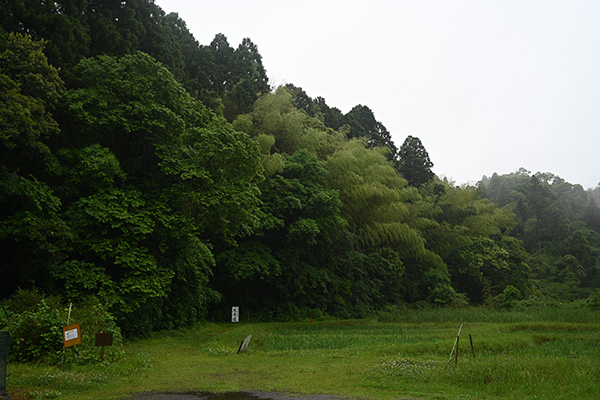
592	216
226	80
362	123
550	214
485	267
222	54
32	233
290	263
414	163
546	224
153	179
61	23
470	233
248	64
583	245
359	122
378	205
331	117
31	89
275	115
301	100
281	128
594	193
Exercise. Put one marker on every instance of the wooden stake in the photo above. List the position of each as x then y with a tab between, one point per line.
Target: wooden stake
454	347
472	348
69	316
62	358
456	358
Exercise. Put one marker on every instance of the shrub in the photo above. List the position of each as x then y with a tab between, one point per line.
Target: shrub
593	302
37	323
36	334
506	300
93	318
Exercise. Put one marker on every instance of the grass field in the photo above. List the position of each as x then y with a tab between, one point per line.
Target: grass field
543	354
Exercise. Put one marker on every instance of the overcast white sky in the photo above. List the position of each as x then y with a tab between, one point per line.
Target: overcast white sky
488	86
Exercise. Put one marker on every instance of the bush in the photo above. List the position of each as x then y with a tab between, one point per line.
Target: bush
36	334
593	302
93	318
37	323
506	300
28	300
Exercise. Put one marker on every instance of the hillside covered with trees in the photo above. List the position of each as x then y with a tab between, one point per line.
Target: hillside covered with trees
170	181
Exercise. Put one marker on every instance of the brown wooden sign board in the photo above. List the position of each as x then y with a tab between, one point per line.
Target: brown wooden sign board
104	339
71	335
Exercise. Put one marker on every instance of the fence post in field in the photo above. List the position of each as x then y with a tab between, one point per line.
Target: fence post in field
472	348
455	347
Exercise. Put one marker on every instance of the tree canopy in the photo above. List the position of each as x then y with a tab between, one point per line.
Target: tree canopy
414	163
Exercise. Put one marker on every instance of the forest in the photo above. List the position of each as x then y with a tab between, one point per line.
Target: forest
169	181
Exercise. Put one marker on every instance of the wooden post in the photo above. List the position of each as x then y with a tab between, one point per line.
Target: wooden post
62	359
454	347
472	348
456	355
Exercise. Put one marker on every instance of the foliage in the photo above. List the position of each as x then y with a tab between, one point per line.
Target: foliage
507	299
225	79
166	179
413	162
287	265
31	89
37	323
359	122
36	335
170	182
593	301
32	234
556	222
380	208
487	266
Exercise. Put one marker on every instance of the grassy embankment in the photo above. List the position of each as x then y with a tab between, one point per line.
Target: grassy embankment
545	354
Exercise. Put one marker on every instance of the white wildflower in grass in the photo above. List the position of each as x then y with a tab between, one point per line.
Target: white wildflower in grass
219	351
406	367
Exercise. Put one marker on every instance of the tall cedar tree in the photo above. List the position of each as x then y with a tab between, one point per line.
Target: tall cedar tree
414	163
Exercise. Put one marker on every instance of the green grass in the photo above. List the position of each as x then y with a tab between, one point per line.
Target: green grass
545	354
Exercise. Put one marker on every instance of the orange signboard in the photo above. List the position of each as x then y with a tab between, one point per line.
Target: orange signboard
71	335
